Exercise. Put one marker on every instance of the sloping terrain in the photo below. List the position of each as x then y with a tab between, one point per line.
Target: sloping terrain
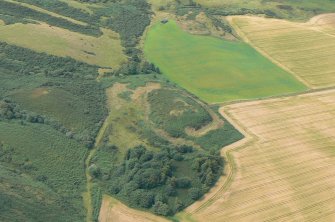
304	49
284	172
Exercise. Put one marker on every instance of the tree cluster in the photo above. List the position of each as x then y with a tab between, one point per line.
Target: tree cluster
150	179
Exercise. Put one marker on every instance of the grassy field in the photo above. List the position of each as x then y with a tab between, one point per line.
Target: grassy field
284	171
213	69
104	51
304	49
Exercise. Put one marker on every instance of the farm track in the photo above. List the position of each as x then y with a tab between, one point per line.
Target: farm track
294	46
283	170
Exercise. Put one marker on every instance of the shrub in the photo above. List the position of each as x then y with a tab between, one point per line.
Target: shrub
161	208
195	193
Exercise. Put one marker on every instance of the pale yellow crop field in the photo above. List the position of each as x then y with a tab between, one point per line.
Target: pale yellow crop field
113	210
284	170
104	51
305	49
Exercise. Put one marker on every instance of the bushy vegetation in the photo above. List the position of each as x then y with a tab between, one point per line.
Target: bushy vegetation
25	199
8	19
149	170
284	9
47	158
56	107
129	18
219	138
96	201
63	8
152	180
50	109
22	12
173	111
61	90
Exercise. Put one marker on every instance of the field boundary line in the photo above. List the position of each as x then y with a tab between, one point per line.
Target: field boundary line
230	166
227	152
282	96
245	38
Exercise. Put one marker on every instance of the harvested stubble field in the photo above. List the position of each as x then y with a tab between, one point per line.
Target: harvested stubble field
114	210
284	171
305	49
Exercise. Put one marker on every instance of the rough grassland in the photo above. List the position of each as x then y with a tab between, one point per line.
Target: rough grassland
213	69
305	49
284	170
105	51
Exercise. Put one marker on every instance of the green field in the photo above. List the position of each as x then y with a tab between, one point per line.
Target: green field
213	69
